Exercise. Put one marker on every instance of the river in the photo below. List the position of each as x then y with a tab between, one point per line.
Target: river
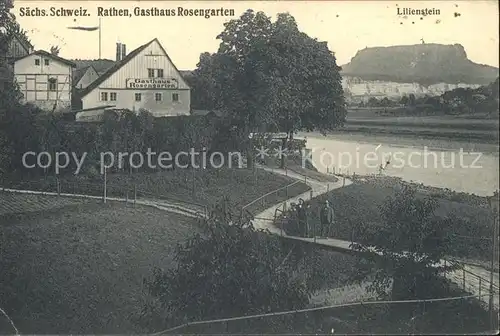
463	167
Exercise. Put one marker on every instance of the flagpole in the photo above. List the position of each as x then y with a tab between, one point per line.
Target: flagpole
99	38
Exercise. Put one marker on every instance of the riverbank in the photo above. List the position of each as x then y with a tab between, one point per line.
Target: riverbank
475	128
487	136
407	141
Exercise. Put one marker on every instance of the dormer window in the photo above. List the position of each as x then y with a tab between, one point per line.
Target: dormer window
37	61
52	84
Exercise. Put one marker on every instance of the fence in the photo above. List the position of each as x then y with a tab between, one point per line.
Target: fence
271	197
129	193
475	284
374	317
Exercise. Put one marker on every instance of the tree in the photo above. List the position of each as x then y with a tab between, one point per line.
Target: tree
230	269
411	99
308	93
385	102
404	100
271	77
16	122
54	50
412	240
373	102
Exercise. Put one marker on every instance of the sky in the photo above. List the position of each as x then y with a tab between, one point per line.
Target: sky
347	26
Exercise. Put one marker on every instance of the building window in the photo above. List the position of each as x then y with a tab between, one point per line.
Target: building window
112	96
151	73
137	97
52	84
159	73
104	96
158	97
37	61
175	97
46	61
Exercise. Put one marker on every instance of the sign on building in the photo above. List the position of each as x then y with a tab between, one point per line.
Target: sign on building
152	83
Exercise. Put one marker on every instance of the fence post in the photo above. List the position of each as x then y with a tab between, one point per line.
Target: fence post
105	181
194	183
463	278
311	194
286	191
282	222
343	181
327	187
480	288
135	194
305	179
314	232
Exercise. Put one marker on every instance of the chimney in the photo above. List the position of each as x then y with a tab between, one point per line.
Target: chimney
118	52
124	51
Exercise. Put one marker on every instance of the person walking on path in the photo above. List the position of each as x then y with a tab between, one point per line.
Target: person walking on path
293	220
302	217
326	218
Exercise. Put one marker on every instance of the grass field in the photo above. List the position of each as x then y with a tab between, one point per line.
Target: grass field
201	186
77	268
13	203
358	204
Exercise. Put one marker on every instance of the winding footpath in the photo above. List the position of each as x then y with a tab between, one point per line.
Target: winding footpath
473	279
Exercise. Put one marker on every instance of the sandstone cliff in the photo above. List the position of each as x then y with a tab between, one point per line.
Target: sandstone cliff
425	64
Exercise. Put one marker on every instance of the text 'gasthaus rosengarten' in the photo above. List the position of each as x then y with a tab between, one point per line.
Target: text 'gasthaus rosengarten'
170	12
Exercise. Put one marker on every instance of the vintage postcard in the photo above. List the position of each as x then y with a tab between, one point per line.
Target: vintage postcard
249	167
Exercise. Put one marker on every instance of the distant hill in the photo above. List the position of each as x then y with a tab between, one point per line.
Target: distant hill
425	64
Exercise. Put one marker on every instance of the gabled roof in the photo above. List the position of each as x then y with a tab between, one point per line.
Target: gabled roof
118	65
23	41
47	54
79	72
100	65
